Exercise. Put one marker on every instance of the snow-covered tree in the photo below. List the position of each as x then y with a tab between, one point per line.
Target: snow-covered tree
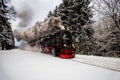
110	11
6	34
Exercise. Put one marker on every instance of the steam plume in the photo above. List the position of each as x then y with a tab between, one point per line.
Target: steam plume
25	14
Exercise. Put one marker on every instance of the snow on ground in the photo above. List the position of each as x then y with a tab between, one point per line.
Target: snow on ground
105	62
25	65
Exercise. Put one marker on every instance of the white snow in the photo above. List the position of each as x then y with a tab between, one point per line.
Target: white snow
26	65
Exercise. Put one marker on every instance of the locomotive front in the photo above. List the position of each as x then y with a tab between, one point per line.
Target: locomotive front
67	46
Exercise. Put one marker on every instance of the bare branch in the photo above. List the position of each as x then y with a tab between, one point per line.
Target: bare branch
109	8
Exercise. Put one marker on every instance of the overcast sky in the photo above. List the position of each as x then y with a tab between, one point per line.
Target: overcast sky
38	9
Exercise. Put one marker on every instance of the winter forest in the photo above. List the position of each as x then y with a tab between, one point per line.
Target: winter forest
95	25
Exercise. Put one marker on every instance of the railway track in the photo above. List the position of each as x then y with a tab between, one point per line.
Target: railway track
108	63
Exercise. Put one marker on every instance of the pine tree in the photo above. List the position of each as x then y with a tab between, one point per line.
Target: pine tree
50	14
6	34
74	13
66	12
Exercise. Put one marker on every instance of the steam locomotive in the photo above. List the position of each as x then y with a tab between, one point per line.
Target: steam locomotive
59	44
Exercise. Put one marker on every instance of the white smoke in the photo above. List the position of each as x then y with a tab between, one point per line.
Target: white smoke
25	46
38	9
25	15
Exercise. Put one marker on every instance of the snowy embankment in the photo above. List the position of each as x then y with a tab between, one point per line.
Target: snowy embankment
26	65
104	62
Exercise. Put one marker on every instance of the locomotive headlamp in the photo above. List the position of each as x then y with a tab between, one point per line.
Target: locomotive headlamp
65	45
